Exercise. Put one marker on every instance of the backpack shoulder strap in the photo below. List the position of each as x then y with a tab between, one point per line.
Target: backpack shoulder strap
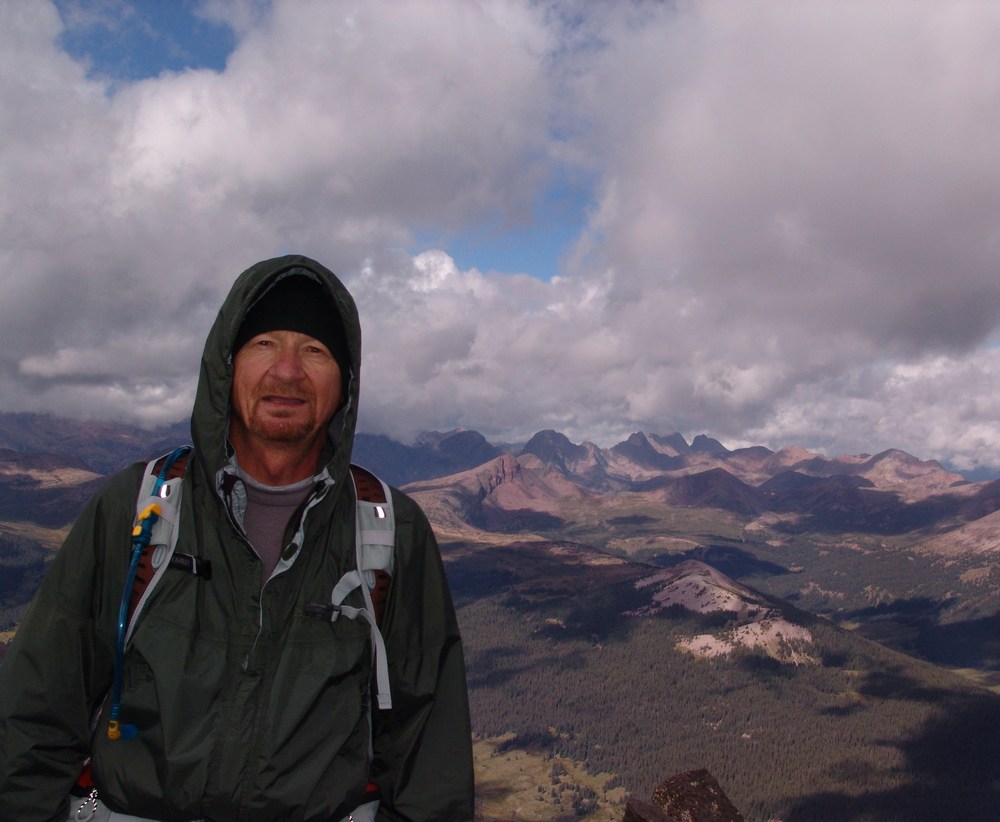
154	536
376	535
375	548
162	484
375	540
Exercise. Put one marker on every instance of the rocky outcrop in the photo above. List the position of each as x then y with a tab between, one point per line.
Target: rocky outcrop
695	796
502	470
692	796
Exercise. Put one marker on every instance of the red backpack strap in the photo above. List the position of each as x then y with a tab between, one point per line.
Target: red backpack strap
368	485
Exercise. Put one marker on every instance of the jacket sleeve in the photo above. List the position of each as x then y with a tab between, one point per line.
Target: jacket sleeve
60	665
423	745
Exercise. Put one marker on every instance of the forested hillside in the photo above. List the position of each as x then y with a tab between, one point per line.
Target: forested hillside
867	734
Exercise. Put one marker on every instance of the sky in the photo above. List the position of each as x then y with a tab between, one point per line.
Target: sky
774	222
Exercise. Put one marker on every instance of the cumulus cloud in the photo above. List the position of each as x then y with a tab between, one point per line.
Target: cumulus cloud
792	235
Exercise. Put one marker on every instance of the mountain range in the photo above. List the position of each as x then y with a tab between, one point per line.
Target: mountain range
823	634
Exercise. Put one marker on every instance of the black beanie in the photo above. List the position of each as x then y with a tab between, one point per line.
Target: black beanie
297	303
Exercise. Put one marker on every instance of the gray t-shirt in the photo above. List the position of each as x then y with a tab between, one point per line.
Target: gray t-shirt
269	508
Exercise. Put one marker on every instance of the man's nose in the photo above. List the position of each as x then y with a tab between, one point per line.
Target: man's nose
287	364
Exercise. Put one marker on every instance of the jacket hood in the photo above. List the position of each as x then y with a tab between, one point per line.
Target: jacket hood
210	417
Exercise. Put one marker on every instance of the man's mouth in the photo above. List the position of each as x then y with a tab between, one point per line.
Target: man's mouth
283	400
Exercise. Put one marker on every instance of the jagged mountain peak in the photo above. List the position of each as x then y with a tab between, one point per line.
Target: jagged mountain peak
901	461
502	470
585	464
459	440
638	441
792	454
553	447
708	445
672	445
637	457
896	470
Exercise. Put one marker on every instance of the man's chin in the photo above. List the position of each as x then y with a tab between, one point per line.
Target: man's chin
283	430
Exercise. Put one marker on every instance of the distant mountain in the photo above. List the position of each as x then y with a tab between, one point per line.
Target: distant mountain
640	451
707	445
586	462
106	447
432	455
103	446
889	493
895	546
671	445
714	488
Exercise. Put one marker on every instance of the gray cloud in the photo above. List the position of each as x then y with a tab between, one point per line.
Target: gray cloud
793	236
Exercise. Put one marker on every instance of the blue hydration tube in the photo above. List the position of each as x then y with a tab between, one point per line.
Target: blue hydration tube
141	535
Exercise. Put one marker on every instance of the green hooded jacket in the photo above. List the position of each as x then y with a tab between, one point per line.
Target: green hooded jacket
246	708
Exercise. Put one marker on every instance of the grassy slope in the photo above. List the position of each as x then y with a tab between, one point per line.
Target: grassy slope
515	782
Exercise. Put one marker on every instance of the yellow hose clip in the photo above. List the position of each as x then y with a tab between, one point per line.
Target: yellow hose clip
148	511
152	508
113	732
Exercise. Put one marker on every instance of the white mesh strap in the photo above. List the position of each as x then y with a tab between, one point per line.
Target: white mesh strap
375	540
376	536
348	582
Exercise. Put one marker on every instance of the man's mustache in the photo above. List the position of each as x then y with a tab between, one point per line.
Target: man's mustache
282	391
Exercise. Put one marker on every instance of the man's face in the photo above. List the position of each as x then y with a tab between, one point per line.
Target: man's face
286	388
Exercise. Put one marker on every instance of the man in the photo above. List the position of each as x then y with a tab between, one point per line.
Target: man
243	705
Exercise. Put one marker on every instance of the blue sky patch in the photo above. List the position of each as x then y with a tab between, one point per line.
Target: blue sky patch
123	42
537	248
